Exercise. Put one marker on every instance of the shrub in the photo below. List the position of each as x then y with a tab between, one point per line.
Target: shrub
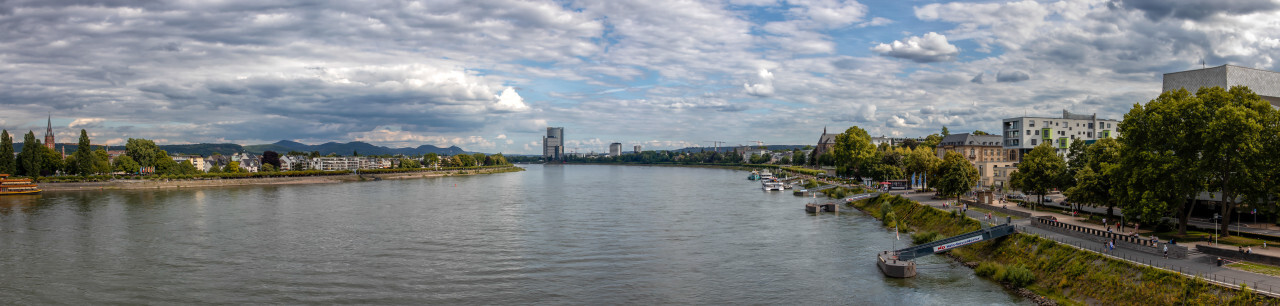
1019	276
925	237
989	269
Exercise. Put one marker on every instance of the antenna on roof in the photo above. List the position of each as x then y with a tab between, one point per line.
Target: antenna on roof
1202	63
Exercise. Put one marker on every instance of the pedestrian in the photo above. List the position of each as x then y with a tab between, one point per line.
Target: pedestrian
1166	251
1249	250
1111	246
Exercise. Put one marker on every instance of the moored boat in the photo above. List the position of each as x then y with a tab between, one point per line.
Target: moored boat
755	175
771	185
17	186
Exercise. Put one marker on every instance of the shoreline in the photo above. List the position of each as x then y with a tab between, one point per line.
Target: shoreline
210	183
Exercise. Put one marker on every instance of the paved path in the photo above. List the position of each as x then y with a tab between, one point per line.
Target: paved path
1196	263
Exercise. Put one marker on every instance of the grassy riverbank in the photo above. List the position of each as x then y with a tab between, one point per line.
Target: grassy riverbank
279	178
1062	272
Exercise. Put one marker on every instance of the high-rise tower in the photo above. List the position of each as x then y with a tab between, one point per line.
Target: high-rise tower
553	144
48	134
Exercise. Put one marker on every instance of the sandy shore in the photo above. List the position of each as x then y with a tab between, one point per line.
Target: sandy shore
163	184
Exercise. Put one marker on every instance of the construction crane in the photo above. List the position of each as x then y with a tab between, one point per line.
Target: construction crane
715	144
758	143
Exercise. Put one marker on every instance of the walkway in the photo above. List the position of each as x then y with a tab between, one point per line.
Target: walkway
1196	263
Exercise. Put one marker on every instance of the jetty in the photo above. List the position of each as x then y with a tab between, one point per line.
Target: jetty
901	263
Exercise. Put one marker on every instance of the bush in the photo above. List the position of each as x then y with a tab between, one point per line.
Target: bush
925	237
1019	276
989	269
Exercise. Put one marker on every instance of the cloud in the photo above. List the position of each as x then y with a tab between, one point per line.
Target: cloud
86	123
931	47
977	79
763	86
1197	10
510	101
1012	76
876	21
859	113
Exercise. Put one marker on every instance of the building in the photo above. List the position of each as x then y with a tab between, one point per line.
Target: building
615	149
1262	82
985	152
1022	134
877	141
196	160
637	149
825	143
553	144
48	135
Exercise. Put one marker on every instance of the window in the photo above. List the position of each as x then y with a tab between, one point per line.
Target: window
1090	135
1031	123
1037	132
1033	141
1091	125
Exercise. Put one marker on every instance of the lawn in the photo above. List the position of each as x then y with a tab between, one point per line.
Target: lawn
1255	268
1200	236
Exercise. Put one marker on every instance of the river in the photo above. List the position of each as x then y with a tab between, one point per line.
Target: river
555	234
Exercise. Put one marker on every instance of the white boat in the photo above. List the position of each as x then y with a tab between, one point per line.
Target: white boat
772	185
766	175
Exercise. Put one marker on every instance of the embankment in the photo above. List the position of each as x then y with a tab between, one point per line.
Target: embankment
1062	272
220	182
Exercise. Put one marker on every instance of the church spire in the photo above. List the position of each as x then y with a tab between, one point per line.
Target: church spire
48	134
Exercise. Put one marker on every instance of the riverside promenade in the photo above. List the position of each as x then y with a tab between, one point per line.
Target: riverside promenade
1196	263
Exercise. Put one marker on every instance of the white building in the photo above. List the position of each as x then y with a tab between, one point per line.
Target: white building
615	149
1022	134
1262	82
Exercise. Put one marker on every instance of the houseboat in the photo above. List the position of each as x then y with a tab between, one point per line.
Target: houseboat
771	185
17	186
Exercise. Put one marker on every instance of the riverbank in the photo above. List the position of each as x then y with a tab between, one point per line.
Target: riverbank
1063	273
221	182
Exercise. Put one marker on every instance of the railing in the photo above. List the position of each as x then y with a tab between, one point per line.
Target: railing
1215	279
1100	233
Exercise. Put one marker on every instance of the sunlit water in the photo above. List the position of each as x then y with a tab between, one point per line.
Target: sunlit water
558	234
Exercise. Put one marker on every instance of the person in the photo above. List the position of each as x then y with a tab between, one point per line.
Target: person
1166	251
1248	250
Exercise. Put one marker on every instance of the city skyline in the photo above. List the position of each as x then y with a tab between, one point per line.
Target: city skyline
491	76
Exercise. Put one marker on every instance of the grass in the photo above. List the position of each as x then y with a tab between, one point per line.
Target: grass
1062	272
996	214
1255	268
1200	236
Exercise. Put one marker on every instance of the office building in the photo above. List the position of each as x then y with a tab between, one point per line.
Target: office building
637	149
553	144
985	152
1262	82
615	149
1022	134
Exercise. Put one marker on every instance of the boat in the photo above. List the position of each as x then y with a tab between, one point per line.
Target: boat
755	175
766	175
771	185
17	186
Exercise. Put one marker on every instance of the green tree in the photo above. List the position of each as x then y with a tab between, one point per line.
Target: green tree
8	165
931	141
980	132
945	132
142	151
479	159
84	155
186	168
29	159
1041	170
101	161
272	158
464	160
268	168
233	167
409	163
431	160
1233	156
853	151
126	164
956	176
1096	174
797	157
922	161
164	164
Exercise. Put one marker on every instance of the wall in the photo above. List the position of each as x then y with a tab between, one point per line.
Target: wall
1100	236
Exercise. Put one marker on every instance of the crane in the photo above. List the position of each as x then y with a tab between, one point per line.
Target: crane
715	144
758	143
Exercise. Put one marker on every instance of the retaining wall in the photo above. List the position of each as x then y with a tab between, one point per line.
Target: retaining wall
1100	236
1234	252
1015	213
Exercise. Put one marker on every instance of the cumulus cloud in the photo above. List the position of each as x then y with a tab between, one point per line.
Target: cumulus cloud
865	113
85	122
977	79
1197	10
931	47
1012	76
763	86
510	101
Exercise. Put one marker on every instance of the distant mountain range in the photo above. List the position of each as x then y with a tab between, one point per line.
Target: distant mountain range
731	148
284	146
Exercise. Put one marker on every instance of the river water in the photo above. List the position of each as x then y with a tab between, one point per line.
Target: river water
556	234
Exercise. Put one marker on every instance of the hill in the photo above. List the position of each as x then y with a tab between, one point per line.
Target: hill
284	146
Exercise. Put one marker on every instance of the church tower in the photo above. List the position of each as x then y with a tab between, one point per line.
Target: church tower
48	134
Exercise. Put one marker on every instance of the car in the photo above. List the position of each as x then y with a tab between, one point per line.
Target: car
1048	200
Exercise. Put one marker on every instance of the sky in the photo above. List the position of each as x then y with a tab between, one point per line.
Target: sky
492	75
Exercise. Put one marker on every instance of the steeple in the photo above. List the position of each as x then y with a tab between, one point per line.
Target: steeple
48	134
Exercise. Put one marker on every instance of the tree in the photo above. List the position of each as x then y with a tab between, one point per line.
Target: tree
83	155
479	159
1096	174
797	157
271	158
922	161
164	164
1233	157
980	132
268	168
28	161
431	160
126	164
233	167
7	163
931	141
101	161
945	132
956	176
464	160
1041	169
142	151
1076	159
187	168
910	143
853	151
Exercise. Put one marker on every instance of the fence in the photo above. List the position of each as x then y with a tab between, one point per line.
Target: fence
1122	241
1216	279
1015	213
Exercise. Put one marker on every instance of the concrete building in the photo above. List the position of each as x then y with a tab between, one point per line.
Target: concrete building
877	141
637	149
1264	83
1022	134
985	152
615	149
553	144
